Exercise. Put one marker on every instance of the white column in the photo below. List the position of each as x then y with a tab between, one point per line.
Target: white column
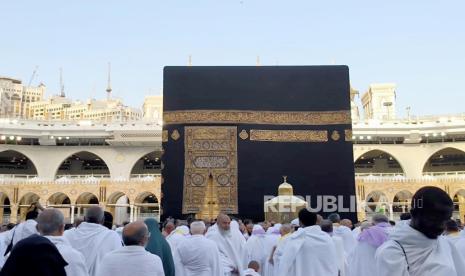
72	213
131	213
391	212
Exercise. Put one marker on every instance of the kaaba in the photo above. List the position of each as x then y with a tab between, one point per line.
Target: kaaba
231	132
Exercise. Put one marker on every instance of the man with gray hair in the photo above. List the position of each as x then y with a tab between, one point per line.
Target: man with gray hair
132	259
51	224
93	239
197	255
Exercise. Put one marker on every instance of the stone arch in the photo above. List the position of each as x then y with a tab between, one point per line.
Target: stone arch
5	208
25	203
16	163
459	203
83	163
377	201
84	201
58	199
61	201
148	204
378	161
28	199
401	201
118	204
87	198
448	159
115	196
149	163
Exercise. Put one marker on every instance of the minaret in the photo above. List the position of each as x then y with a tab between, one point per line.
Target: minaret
190	61
109	82
258	61
62	85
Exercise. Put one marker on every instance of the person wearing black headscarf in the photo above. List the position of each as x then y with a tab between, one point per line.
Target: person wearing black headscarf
36	256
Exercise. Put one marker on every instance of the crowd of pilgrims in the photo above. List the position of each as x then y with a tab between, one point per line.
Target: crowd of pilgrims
425	242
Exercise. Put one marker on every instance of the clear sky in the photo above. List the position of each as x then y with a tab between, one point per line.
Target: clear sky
420	45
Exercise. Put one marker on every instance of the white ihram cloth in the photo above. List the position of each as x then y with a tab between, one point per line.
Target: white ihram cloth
347	237
426	257
236	231
356	231
361	260
340	254
460	244
22	231
278	253
256	247
76	262
453	237
271	241
231	245
131	260
177	236
3	246
251	272
197	256
309	252
93	241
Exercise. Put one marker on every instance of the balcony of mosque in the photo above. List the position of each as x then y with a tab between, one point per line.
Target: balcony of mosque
26	179
400	177
458	118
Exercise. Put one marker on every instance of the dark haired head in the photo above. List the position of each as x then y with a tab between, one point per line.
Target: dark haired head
108	220
334	218
405	216
431	208
307	218
32	215
326	226
451	226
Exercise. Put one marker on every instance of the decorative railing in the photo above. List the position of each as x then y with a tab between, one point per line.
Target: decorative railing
17	176
445	174
72	178
145	176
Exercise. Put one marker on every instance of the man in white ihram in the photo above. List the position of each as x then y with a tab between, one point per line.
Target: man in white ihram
51	224
417	248
231	246
309	251
93	239
197	255
132	259
24	229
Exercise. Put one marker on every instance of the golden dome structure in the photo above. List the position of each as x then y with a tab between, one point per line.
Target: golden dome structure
284	207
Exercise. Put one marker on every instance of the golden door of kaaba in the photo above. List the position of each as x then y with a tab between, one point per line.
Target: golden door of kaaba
210	171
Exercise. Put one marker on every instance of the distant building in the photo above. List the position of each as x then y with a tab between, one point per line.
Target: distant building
15	97
110	110
379	102
153	108
60	108
50	109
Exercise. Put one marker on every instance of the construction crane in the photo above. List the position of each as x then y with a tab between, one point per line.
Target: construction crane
34	74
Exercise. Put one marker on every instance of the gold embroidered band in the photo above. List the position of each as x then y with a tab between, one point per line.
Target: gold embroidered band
257	117
289	135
